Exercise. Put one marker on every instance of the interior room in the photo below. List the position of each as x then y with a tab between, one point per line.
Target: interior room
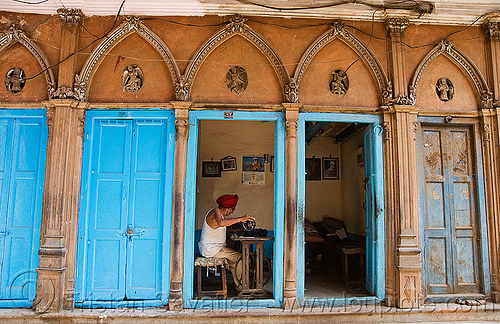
335	210
237	157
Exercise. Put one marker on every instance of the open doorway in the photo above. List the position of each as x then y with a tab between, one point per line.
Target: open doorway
236	157
240	155
342	194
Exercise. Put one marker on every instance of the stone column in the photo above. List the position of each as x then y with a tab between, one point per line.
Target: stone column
390	205
56	268
55	283
396	22
290	258
491	142
177	240
408	254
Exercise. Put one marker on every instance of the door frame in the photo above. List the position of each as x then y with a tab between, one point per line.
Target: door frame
480	200
38	200
374	122
81	254
190	208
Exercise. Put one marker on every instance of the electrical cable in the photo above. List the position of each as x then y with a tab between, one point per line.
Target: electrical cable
85	47
34	3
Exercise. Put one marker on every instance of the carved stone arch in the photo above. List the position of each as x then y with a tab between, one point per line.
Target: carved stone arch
340	31
14	35
235	27
447	48
132	25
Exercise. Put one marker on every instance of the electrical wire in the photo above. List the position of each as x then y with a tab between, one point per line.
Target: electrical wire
85	47
34	3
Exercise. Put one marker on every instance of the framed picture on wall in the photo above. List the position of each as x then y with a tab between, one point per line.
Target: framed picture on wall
313	168
211	169
253	163
228	163
330	168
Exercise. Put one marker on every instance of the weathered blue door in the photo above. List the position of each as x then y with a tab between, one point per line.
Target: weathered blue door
450	249
23	138
128	205
374	208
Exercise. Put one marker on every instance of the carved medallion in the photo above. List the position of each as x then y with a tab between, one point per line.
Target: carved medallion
339	83
444	89
132	78
15	80
237	79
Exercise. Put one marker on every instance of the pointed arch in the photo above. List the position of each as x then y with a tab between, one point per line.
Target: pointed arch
340	31
235	27
15	35
132	25
447	48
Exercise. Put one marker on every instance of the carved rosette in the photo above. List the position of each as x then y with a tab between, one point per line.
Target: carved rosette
63	93
291	92
70	17
486	99
396	26
182	90
386	93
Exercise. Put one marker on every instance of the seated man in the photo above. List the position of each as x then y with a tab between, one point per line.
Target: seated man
213	234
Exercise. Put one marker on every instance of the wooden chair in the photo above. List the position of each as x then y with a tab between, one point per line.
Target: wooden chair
211	264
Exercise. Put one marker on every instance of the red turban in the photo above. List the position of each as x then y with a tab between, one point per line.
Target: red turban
228	201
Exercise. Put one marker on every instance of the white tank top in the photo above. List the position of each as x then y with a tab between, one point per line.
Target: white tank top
212	239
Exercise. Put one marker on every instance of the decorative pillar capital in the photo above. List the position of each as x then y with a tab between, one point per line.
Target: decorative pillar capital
492	27
70	17
396	22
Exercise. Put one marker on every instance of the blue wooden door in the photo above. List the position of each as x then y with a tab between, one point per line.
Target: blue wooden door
22	158
126	205
374	209
450	232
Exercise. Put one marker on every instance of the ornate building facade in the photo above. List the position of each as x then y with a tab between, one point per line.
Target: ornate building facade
105	122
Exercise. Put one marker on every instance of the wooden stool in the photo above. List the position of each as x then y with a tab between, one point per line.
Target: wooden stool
352	248
211	263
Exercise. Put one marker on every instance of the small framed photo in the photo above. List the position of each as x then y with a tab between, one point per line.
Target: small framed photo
330	168
228	163
211	169
313	168
271	163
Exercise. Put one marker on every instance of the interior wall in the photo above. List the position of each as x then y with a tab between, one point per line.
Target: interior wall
354	215
218	139
323	197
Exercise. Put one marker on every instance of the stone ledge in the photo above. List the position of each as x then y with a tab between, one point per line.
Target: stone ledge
443	313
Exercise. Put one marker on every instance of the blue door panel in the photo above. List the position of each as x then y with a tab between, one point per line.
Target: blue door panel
450	233
370	213
129	200
22	157
148	181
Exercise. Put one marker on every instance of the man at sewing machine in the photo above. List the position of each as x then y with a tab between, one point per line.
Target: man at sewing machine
213	234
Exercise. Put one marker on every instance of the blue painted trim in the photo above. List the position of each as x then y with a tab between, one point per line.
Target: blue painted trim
378	165
375	121
40	114
120	304
80	285
482	212
190	210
